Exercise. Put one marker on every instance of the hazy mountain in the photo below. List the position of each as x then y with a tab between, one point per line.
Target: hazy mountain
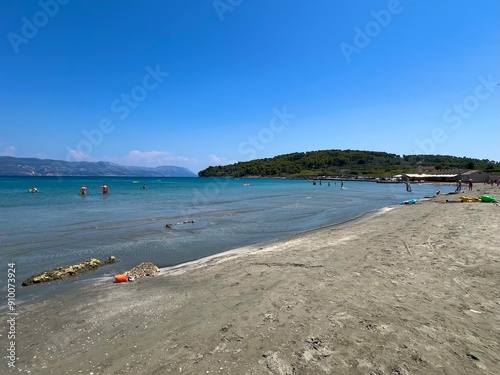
10	166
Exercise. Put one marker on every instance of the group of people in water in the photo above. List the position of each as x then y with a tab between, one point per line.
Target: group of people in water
83	189
105	190
320	181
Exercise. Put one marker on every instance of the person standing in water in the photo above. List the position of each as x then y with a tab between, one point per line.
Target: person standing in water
83	190
104	189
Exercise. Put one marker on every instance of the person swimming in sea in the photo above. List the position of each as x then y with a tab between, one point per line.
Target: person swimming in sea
83	190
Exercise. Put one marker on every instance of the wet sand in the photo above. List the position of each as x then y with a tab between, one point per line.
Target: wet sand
412	290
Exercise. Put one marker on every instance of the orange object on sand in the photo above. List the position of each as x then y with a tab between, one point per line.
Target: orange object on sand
121	278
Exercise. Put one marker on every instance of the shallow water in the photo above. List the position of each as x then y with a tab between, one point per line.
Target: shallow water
58	226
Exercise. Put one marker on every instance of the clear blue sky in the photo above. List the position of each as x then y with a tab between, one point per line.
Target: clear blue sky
197	83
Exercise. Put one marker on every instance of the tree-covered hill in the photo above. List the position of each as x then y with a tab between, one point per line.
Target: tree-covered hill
347	163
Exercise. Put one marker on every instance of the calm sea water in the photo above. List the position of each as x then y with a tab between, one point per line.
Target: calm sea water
57	226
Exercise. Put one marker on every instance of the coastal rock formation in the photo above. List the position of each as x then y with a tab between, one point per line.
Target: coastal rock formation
64	272
143	270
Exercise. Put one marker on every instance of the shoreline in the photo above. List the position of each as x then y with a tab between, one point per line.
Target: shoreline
255	248
91	282
411	290
63	287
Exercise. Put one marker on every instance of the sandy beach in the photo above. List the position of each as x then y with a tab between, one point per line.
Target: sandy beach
410	290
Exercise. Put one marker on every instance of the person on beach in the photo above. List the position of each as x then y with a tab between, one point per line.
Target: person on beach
83	190
408	185
104	189
470	185
459	186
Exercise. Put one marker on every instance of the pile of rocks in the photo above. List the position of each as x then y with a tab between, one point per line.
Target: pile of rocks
146	269
64	272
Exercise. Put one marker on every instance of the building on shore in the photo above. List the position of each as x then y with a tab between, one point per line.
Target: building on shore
448	176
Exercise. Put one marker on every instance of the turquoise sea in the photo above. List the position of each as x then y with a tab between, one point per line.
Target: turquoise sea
57	226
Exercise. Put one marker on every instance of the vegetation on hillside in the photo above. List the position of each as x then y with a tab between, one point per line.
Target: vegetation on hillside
347	163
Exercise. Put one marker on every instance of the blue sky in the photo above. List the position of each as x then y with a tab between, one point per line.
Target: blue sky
197	83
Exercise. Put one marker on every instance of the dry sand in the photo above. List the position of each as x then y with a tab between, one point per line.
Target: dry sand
414	290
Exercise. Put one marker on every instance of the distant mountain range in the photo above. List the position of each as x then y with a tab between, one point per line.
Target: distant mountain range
10	166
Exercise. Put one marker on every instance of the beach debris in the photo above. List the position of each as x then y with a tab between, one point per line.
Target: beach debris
170	225
472	356
488	198
410	201
469	199
482	198
121	278
408	249
67	271
145	269
275	364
